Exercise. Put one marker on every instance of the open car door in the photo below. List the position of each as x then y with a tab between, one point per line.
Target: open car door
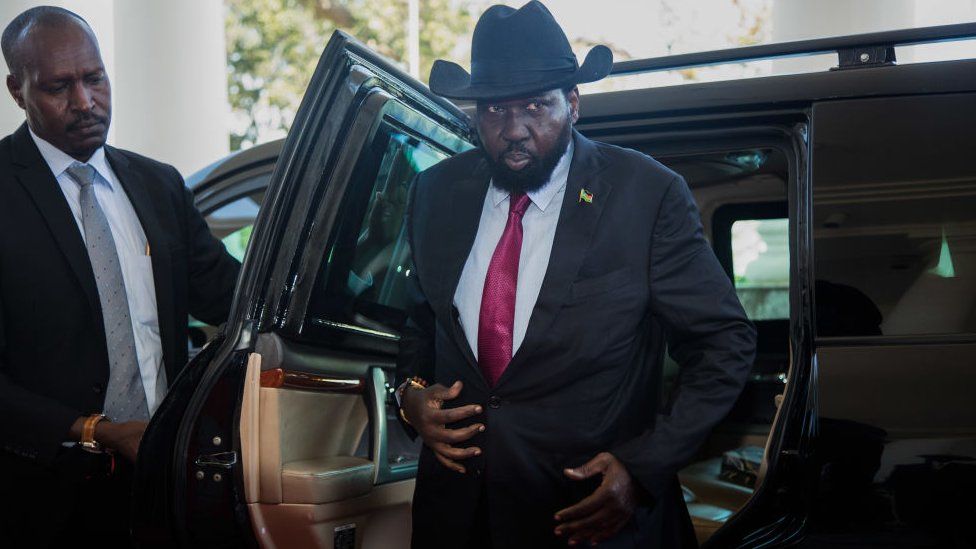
281	432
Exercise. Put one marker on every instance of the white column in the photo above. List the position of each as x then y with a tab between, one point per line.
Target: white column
167	64
413	37
803	19
171	91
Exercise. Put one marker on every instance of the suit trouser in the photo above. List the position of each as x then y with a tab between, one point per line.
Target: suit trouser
80	499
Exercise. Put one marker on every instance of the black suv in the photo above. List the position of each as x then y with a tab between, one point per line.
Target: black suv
842	204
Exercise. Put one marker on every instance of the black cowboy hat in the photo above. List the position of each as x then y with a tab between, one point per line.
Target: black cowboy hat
515	53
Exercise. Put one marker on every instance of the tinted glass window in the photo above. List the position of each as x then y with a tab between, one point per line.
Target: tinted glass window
761	267
894	226
232	223
902	263
368	264
895	217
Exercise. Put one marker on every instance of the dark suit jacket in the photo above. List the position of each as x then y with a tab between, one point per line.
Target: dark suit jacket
53	360
628	273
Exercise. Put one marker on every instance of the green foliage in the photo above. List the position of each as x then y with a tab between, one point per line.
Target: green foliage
236	242
274	45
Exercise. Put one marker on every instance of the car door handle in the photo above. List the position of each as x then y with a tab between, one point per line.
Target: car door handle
224	460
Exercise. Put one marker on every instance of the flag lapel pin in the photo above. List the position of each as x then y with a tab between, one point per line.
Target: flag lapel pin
585	196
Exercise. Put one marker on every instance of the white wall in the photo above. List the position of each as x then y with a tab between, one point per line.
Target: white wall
801	19
804	19
166	62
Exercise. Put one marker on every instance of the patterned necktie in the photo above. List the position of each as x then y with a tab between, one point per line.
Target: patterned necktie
496	323
125	397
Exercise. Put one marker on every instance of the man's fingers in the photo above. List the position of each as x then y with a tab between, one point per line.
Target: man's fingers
455	453
446	393
608	526
606	534
604	512
593	529
595	466
453	436
450	464
601	523
587	506
453	415
454	391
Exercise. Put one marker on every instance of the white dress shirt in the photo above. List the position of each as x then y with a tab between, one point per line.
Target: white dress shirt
538	231
131	246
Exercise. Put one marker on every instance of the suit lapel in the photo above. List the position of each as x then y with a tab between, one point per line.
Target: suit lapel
142	199
574	230
459	230
36	178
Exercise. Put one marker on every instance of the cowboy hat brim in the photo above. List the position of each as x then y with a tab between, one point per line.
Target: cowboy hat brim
450	80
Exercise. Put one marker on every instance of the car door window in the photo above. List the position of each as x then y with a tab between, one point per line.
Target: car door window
761	267
894	225
361	283
363	276
232	223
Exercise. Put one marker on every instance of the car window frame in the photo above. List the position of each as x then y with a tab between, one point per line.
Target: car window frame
364	173
789	447
379	104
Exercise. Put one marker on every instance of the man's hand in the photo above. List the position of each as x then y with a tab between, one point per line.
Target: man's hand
122	438
422	409
604	512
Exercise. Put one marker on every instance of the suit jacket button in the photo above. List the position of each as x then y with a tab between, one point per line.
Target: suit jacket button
97	388
494	402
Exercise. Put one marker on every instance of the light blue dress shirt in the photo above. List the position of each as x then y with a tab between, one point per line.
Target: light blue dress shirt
538	232
132	247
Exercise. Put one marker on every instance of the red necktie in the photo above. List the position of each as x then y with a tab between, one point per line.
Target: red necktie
496	324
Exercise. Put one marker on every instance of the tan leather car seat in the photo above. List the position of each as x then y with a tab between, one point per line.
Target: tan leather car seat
711	500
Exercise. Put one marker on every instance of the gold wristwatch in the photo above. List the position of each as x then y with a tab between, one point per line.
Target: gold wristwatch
88	442
416	383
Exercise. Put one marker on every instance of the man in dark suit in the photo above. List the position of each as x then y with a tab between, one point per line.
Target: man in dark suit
102	257
551	271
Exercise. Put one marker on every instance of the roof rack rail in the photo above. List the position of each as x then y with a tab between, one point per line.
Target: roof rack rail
858	50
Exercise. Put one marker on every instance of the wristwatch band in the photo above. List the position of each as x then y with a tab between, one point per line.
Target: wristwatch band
415	382
88	441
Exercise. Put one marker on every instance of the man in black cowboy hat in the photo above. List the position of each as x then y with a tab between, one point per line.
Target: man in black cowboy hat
551	271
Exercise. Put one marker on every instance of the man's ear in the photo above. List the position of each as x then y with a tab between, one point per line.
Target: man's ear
573	99
13	86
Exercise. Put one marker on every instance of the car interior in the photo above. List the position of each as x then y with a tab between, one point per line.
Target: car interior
305	444
742	196
320	454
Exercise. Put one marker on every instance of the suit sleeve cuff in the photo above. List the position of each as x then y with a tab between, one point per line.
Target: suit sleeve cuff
651	479
49	435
